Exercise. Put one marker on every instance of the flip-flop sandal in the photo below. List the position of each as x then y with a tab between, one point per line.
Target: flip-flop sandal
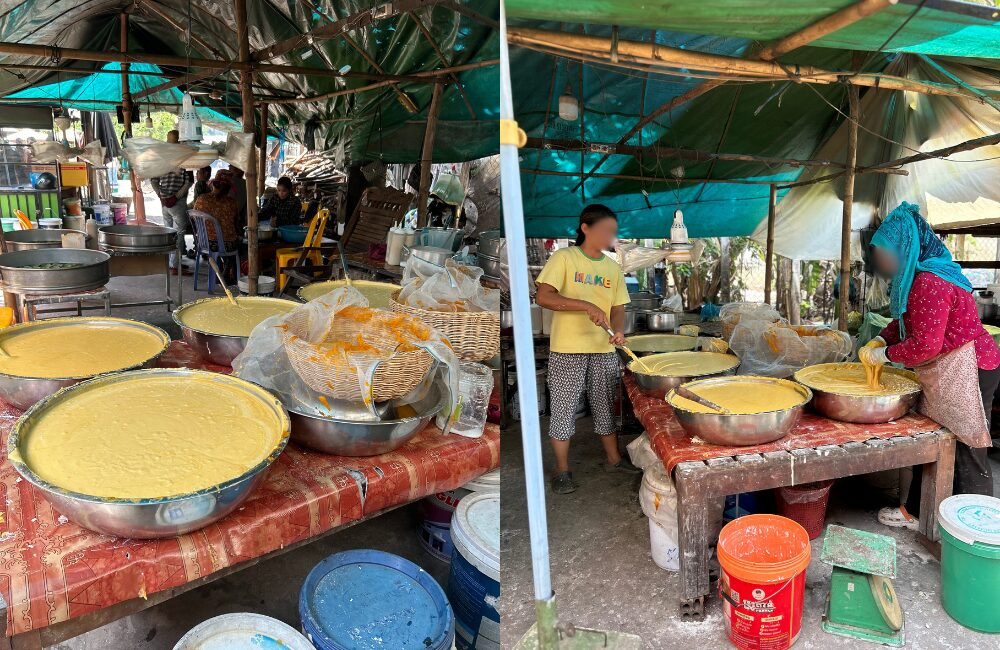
897	518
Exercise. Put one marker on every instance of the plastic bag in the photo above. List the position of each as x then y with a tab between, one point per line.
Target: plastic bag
632	257
239	151
336	348
641	453
773	348
150	158
453	288
674	303
47	151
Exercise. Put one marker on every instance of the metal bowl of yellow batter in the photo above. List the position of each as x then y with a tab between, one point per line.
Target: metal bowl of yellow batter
839	398
354	434
671	369
379	294
763	409
40	357
647	344
150	453
217	338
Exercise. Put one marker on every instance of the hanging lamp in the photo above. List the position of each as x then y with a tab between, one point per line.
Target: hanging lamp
569	105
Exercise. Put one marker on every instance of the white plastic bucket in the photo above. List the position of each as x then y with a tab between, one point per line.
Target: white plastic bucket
474	582
659	501
242	630
102	214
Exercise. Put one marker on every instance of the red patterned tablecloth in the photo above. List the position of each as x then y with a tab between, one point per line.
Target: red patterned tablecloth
674	446
52	570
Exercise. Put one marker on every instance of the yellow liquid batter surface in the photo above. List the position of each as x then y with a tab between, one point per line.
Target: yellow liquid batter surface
150	437
661	343
379	294
743	397
851	379
220	316
685	364
76	350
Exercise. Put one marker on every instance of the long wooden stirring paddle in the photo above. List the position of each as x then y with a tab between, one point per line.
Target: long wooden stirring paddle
695	397
629	352
222	281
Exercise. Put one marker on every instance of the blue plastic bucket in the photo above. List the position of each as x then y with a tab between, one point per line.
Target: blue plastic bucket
372	600
474	583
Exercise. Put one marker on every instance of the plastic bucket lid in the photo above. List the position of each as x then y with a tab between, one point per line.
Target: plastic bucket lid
971	518
655	479
764	548
366	599
488	482
242	630
475	531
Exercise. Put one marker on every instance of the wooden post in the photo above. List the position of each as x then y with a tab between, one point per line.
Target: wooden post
262	169
246	94
769	247
845	229
724	279
138	202
426	156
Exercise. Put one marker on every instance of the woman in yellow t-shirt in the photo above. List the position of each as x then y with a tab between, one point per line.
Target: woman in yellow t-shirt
586	290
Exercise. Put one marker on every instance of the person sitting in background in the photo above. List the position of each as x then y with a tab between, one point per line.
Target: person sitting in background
239	194
222	206
284	208
201	182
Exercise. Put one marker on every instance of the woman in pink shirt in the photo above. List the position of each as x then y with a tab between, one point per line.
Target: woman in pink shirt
936	330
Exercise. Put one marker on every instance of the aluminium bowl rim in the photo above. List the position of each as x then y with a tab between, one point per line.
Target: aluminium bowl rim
186	305
755	379
29	475
699	376
432	412
909	374
79	378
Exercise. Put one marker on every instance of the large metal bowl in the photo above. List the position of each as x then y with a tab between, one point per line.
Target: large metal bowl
148	518
739	429
355	434
660	385
94	271
29	240
862	409
379	294
647	344
137	238
23	392
219	349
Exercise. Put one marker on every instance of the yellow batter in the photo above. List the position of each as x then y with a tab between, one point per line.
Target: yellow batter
661	343
743	396
219	316
686	364
151	436
851	379
75	348
379	294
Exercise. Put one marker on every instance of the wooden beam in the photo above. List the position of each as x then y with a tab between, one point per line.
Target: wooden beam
646	179
444	61
262	163
827	25
772	206
654	54
427	156
179	81
355	21
659	152
246	94
138	200
854	117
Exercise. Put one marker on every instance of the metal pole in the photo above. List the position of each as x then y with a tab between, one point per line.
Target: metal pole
524	354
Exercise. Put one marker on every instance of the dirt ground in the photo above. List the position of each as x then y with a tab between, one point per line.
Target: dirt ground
604	577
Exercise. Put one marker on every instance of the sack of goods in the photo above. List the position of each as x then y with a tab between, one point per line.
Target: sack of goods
768	345
338	348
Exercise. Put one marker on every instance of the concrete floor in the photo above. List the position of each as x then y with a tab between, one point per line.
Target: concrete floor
604	577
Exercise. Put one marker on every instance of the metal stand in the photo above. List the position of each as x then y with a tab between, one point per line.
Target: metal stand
167	300
29	303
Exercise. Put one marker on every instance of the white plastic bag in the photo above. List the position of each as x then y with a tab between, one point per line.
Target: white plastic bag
658	499
641	453
151	158
454	287
240	151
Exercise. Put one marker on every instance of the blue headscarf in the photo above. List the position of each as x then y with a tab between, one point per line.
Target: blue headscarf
910	238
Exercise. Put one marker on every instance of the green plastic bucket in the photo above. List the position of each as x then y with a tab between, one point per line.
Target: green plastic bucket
970	563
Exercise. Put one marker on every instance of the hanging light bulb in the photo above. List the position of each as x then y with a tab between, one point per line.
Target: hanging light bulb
569	105
680	245
63	123
149	119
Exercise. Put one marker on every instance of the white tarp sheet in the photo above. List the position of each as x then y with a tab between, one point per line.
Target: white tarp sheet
960	190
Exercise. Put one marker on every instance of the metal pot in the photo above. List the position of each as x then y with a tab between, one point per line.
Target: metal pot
137	238
645	300
447	238
862	409
92	273
661	321
219	349
987	310
494	267
428	260
27	240
492	244
629	324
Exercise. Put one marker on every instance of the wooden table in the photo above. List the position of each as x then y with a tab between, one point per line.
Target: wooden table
362	262
817	449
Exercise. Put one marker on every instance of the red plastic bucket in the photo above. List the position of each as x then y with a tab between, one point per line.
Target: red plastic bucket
764	560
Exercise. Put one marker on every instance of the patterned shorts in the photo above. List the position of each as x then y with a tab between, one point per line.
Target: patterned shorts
569	375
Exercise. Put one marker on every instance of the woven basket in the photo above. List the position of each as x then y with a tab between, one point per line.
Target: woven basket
394	377
473	335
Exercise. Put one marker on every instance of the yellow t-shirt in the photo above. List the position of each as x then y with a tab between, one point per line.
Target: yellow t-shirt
575	275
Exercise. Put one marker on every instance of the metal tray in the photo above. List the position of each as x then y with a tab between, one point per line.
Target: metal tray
94	273
137	238
158	517
27	240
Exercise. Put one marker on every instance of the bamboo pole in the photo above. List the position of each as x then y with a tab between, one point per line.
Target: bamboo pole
427	156
685	154
444	61
173	83
262	168
652	179
827	25
246	94
845	228
769	247
654	54
138	200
